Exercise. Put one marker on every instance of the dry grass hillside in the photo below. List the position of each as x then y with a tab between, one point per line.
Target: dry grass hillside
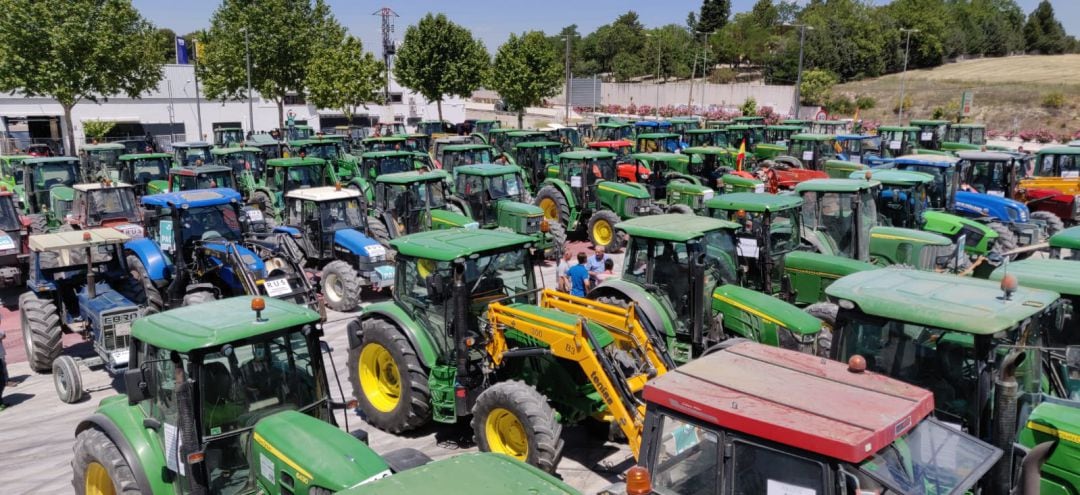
1011	93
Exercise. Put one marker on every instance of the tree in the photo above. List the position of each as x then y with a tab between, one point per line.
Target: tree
97	129
526	71
1043	33
714	15
283	36
439	58
75	50
928	46
344	76
816	86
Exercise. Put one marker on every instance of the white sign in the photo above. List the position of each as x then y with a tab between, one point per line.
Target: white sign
123	329
759	188
6	242
773	487
707	194
894	145
377	476
1070	174
278	287
173	446
266	468
748	248
575	181
808	155
255	215
999	194
926	136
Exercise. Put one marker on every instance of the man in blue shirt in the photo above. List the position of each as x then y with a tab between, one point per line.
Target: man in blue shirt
579	276
595	263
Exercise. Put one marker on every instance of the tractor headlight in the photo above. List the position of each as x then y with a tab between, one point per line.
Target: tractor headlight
797	342
471	225
375	252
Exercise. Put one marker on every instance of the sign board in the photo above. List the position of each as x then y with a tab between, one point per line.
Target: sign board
967	100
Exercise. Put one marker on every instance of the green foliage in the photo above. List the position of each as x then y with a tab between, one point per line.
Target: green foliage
742	41
97	129
714	15
749	107
1053	100
1043	33
723	76
816	86
526	71
865	102
838	105
950	111
616	48
677	50
907	105
344	76
74	50
439	58
847	39
283	36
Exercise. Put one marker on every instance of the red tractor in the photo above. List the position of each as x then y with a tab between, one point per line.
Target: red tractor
14	237
626	168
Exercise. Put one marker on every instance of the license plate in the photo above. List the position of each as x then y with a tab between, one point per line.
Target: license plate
279	287
255	215
122	329
120	357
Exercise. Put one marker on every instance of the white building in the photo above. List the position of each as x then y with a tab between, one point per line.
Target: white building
171	114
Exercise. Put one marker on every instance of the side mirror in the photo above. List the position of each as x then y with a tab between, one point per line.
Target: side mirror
135	384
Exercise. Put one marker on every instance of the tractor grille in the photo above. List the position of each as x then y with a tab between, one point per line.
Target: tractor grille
636	207
116	329
532	224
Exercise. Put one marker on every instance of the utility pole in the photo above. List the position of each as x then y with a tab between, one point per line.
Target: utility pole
566	102
903	77
198	98
656	108
798	79
388	48
690	96
247	56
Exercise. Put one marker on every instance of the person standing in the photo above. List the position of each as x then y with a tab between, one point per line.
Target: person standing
596	262
3	370
562	278
609	271
579	276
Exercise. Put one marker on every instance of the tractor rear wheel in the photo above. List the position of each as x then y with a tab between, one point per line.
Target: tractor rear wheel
261	201
514	419
602	231
139	274
1053	222
198	297
388	379
41	331
825	312
67	379
377	230
554	204
680	209
99	467
558	239
340	286
1006	239
38	223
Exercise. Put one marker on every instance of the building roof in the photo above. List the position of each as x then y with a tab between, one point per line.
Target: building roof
776	394
939	300
754	202
194	198
326	193
835	185
210	325
673	226
450	244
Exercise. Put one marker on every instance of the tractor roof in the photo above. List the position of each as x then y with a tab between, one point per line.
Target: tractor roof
12	158
466	147
387	154
813	137
145	156
927	122
585	155
784	127
50	159
102	147
939	300
657	135
454	139
776	394
673	226
229	151
1047	274
835	185
325	193
490	474
1060	150
314	141
893	177
194	198
262	140
451	244
968	126
754	202
487	169
985	156
295	162
76	239
652	123
703	131
484	121
798	122
682	120
94	186
200	170
612	125
944	161
403	178
212	324
743	127
854	137
659	156
537	144
191	144
830	122
527	133
503	130
230	128
707	150
897	128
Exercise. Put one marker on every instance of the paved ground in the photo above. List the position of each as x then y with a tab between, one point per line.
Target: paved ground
37	430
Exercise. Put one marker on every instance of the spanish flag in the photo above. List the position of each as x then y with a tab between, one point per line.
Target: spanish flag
742	155
855	119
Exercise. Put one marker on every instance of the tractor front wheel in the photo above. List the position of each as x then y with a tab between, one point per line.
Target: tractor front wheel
554	204
139	274
558	239
340	286
261	201
602	231
388	379
378	231
41	331
39	224
825	312
514	419
680	210
99	467
198	297
67	379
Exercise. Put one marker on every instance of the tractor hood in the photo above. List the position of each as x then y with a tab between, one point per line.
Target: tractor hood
1061	184
157	186
445	219
520	209
359	244
62	193
976	204
841	169
628	189
1054	275
745	307
910	235
734	183
312	452
254	263
1067	239
949	224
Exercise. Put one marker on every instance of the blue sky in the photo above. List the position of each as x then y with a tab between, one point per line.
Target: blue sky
492	21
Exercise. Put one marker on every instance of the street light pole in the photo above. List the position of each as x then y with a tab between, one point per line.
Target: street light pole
656	109
798	78
903	77
247	56
567	74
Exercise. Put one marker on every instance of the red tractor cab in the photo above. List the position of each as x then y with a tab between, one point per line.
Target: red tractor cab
626	168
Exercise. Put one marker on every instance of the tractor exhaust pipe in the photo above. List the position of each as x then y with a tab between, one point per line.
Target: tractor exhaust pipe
188	435
1006	399
1030	467
461	326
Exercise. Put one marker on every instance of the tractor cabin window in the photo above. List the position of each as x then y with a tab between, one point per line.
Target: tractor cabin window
758	469
688	461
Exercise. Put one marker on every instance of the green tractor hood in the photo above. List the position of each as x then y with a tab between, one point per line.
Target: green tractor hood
445	219
735	183
1066	239
811	273
627	189
763	317
840	169
1054	275
894	245
951	226
312	452
157	186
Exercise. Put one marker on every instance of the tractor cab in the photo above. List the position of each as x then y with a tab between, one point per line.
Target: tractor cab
705	137
902	200
855	147
44	186
242	161
750	418
931	133
752	135
10	165
585	170
946	171
681	125
965	136
417	143
388	143
465	154
897	141
320	213
496	197
101	161
988	172
496	138
622	149
439	145
1052	184
668	179
709	164
270	147
106	204
652	142
718	124
228	137
193	154
652	127
613	131
377	163
803	124
536	158
839	213
781	134
410	202
432	127
389	129
754	120
147	173
483	127
14	233
569	137
290	174
772	227
516	137
298	132
832	127
204	177
813	150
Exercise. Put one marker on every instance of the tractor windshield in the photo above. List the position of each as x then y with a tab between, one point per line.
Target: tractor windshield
930	459
902	205
242	161
110	204
418	196
225	137
1058	166
987	177
600	168
327	151
147	169
666	265
47	175
103	159
340	214
207	180
466	157
195	156
9	218
301	177
844	217
390	165
942	190
507	186
210	223
664	144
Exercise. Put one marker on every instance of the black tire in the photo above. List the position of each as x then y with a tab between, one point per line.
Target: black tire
38	223
41	330
551	193
558	239
1053	222
93	447
138	272
533	414
341	286
413	405
605	219
826	312
198	297
1006	239
680	209
262	201
378	231
67	379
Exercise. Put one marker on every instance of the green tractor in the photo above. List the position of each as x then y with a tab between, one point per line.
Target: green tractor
228	137
752	135
535	158
231	396
780	134
670	183
192	154
833	127
330	149
45	190
10	166
586	193
377	163
718	124
410	202
288	174
821	152
248	166
897	141
496	138
384	143
452	156
496	197
804	124
101	161
613	131
204	177
484	127
709	165
147	172
515	137
706	137
931	133
270	147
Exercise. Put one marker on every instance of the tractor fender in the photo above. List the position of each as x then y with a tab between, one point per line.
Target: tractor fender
650	305
151	256
671	176
564	188
414	332
139	445
975	204
356	243
285	229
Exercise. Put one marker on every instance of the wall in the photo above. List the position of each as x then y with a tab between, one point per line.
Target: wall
677	94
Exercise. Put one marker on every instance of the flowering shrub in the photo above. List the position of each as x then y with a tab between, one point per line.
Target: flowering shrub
771	117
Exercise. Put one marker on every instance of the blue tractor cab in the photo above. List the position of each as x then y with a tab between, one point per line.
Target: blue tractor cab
856	148
651	126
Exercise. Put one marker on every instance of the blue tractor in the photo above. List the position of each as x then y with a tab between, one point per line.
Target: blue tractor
1009	218
331	227
199	247
79	283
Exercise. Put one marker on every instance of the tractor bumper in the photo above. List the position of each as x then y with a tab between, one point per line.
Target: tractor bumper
381	276
1027	233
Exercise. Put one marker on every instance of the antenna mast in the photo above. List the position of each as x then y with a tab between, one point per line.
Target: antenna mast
388	48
